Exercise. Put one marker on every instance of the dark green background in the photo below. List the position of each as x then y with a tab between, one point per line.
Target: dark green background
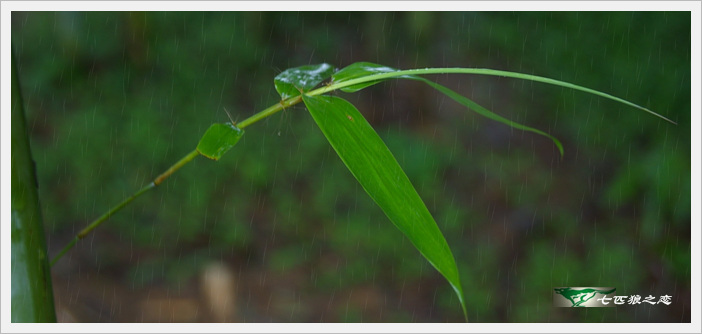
113	99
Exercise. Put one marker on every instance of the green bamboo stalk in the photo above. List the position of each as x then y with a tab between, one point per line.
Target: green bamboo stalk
159	179
95	223
32	293
269	111
100	220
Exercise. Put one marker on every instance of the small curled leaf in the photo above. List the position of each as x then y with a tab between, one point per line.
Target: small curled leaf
218	139
359	70
290	82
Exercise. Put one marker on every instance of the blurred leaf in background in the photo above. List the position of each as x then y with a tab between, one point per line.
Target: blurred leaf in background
115	98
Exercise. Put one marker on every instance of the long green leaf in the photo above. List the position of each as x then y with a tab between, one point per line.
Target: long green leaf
364	69
487	113
375	168
374	78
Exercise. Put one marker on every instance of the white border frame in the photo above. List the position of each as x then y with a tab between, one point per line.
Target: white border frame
7	7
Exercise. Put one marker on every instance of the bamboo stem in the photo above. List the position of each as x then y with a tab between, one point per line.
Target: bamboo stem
158	180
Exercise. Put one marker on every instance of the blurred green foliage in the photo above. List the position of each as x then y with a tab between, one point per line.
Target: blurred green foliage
113	99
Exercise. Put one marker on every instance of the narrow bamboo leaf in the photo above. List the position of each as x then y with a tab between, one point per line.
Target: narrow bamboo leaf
487	113
218	139
375	168
290	82
361	69
384	75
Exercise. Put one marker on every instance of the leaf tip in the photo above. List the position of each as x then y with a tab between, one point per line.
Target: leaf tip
560	147
657	115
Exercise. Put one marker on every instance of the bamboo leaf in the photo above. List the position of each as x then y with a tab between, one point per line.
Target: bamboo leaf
362	69
384	75
290	82
487	113
218	139
375	168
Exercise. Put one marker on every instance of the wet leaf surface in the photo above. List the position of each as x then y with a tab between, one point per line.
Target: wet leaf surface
290	82
375	168
219	139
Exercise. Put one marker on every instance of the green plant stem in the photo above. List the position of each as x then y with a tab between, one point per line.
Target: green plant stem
100	220
269	111
158	180
175	167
